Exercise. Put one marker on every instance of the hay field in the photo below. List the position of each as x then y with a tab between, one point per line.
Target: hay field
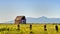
26	29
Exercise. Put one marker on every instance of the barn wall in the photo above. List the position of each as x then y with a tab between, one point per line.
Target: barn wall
19	20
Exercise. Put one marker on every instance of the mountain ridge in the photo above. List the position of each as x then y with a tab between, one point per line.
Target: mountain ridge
42	19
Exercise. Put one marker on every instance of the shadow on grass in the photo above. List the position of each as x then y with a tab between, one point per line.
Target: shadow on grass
31	32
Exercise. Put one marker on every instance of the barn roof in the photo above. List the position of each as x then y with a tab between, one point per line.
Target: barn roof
19	17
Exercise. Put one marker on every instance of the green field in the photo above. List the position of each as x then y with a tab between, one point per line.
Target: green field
25	29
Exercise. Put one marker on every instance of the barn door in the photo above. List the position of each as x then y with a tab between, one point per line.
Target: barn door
23	21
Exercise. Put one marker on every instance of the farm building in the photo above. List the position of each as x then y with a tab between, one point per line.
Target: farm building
20	20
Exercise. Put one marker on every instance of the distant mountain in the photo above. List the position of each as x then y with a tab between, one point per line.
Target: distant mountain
12	21
42	19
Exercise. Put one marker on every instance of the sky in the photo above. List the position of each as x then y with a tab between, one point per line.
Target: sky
9	9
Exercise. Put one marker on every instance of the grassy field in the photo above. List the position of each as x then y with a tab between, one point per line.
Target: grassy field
25	29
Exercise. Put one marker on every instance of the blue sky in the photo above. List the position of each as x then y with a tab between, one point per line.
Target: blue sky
9	9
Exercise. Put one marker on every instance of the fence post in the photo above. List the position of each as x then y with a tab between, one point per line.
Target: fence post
45	28
30	26
18	27
31	29
56	27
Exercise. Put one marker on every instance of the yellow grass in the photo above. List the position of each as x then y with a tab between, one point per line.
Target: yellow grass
25	29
